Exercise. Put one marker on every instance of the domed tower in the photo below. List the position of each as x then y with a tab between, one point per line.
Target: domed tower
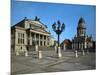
81	29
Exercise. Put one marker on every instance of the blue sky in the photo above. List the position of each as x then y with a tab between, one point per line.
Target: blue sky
52	12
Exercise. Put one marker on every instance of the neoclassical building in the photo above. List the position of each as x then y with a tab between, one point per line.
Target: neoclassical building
28	33
82	40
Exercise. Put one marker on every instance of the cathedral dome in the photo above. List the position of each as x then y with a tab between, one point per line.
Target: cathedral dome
81	23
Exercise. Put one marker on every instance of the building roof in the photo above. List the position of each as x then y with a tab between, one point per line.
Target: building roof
34	21
81	20
66	42
81	23
33	25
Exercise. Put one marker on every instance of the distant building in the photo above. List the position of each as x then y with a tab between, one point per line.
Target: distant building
81	40
67	43
28	33
52	41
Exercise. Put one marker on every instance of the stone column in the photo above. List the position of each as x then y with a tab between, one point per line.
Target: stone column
46	41
35	37
30	39
42	40
85	45
35	41
81	46
25	38
39	39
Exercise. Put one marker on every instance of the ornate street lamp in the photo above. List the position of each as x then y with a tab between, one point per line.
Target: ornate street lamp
58	29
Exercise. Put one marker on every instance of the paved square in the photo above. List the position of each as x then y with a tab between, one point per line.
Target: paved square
50	63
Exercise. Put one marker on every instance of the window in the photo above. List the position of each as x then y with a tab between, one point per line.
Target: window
20	38
48	43
37	42
44	37
41	43
44	43
28	42
23	35
41	37
23	41
30	25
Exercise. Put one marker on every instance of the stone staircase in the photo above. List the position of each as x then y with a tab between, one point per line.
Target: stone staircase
45	48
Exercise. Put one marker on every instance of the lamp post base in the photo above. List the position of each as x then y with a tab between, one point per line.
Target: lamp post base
59	53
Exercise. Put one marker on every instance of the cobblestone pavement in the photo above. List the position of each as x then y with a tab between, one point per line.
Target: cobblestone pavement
51	63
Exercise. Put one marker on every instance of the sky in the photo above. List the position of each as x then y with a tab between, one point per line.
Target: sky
52	12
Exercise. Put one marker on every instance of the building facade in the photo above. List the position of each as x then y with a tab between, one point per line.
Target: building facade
52	41
66	44
28	33
82	40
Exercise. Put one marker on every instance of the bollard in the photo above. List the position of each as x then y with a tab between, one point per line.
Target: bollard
64	47
76	54
36	48
83	52
17	53
26	53
88	52
59	53
55	48
40	54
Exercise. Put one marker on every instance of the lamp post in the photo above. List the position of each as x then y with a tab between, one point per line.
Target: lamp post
58	29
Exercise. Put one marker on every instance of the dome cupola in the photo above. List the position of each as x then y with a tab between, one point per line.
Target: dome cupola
81	23
81	28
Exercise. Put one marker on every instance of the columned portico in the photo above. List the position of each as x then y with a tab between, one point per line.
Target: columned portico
39	39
